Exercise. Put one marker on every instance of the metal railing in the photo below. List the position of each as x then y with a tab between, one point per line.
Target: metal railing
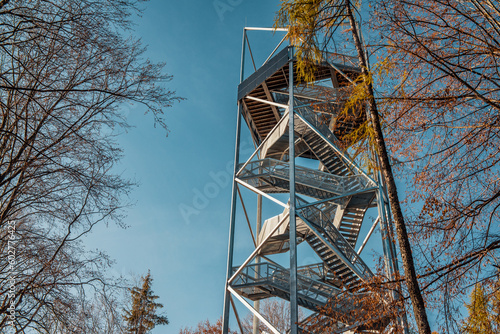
341	59
309	177
317	120
265	273
315	93
315	271
317	218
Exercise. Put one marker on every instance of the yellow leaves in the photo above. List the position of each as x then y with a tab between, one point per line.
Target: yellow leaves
480	313
384	67
355	107
306	63
299	15
306	19
301	18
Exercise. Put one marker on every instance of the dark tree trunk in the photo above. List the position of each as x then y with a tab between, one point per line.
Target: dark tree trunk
402	235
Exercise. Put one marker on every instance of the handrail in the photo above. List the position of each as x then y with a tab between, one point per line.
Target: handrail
310	177
318	218
267	273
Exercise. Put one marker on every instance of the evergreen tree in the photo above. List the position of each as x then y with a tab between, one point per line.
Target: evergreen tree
142	317
495	311
479	319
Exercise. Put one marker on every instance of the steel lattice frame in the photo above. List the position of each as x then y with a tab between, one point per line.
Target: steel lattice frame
287	119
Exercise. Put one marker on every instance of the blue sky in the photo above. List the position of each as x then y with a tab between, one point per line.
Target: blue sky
200	41
187	258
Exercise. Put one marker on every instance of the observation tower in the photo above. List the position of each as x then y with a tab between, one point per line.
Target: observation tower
294	126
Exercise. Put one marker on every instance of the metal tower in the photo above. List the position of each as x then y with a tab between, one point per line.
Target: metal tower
288	119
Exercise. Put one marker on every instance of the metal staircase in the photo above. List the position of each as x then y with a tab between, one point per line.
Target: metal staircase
336	195
342	263
264	280
272	176
331	246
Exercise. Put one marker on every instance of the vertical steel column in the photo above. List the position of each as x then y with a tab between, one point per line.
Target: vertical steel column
385	227
388	242
293	221
256	304
392	250
386	239
232	220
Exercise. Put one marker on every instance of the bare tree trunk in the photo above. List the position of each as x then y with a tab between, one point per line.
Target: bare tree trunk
404	244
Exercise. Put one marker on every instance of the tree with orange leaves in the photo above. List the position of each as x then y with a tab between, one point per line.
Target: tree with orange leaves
205	327
442	106
312	24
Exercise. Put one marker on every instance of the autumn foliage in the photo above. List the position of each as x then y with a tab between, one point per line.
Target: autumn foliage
442	110
205	327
